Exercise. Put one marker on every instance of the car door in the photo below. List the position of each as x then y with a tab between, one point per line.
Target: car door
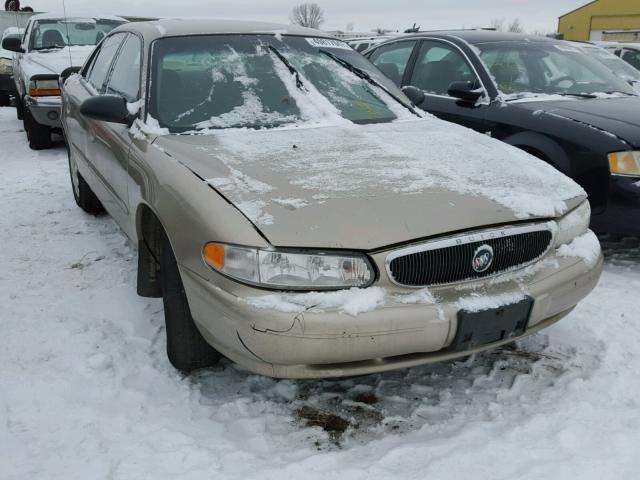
436	65
114	139
96	144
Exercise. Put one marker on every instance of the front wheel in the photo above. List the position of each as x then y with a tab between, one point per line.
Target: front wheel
5	100
186	348
19	107
39	135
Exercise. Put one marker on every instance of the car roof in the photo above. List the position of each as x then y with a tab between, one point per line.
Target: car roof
480	36
62	16
188	26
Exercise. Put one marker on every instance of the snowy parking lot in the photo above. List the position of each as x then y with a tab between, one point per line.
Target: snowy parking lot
86	391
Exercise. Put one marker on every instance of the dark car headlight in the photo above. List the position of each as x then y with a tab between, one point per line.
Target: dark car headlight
289	269
6	66
625	163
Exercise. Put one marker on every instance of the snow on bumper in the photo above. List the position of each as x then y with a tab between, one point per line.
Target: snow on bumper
295	340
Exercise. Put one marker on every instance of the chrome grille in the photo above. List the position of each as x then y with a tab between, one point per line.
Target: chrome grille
450	260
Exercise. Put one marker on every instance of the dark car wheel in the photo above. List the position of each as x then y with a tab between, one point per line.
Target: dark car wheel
186	348
82	193
19	107
5	100
39	135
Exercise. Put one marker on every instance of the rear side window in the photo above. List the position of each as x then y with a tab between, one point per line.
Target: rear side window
125	76
632	57
99	68
439	65
392	59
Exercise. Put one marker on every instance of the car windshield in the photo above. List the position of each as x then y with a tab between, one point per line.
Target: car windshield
49	34
615	64
264	81
524	69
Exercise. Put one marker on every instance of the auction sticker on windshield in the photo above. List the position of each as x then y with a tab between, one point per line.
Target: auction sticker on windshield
327	43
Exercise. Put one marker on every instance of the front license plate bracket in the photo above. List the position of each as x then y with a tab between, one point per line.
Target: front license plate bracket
476	329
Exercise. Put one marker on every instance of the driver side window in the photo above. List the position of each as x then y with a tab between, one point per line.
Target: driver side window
125	76
99	68
437	66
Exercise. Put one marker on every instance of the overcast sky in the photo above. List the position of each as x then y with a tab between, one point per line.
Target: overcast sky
365	15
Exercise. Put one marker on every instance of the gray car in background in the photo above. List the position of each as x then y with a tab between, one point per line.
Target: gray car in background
298	215
7	85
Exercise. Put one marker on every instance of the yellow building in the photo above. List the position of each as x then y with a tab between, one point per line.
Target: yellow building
609	20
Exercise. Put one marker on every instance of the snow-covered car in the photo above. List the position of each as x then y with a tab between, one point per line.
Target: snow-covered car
629	52
298	215
361	44
51	44
608	58
7	85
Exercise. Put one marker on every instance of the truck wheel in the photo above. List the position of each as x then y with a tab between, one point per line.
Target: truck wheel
82	193
39	135
19	107
186	348
5	100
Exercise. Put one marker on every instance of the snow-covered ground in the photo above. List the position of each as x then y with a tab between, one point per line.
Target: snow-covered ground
86	391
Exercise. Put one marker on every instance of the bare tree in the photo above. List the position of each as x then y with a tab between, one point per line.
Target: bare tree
515	26
350	27
307	15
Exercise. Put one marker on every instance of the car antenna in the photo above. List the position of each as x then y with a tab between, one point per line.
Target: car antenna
66	24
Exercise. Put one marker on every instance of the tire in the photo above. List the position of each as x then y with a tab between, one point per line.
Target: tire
5	100
82	193
39	135
186	348
19	107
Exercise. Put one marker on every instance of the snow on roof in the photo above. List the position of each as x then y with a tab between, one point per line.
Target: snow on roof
62	16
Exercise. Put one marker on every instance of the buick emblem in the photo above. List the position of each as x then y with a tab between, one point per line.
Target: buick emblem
482	259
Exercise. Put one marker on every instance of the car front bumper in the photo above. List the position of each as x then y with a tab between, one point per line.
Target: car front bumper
397	335
622	215
45	110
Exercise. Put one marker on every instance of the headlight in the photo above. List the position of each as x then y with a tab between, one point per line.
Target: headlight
573	224
290	270
625	163
44	88
6	66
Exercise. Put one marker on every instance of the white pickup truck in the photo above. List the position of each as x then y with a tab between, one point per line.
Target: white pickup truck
50	45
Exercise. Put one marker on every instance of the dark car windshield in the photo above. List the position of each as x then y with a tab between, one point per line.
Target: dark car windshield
263	81
547	68
49	34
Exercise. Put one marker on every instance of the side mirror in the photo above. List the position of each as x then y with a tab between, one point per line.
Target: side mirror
106	108
414	94
465	91
67	72
13	44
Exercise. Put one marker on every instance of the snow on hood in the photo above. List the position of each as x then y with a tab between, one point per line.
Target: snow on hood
386	182
56	61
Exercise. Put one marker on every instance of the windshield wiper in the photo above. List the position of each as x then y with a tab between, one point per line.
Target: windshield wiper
623	93
358	72
580	95
52	47
290	67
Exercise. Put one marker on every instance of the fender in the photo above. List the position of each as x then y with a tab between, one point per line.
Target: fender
549	149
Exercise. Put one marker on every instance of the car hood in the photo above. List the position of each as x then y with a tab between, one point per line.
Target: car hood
617	116
366	187
56	61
